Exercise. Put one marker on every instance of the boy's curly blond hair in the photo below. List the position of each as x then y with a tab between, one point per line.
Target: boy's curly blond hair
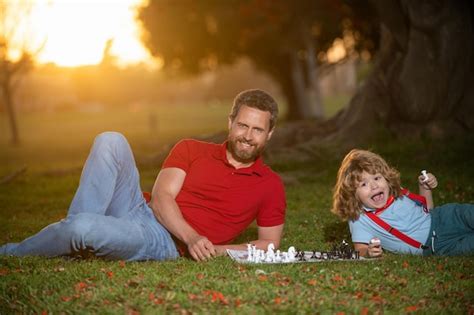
345	202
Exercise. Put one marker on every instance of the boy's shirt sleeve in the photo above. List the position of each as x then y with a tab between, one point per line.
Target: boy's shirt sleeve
359	232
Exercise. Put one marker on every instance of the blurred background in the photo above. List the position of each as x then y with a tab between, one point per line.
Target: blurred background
161	70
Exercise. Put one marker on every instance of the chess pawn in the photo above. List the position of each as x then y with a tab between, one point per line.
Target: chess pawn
278	256
249	252
256	257
291	253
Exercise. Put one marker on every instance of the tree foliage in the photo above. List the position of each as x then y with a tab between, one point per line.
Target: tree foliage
286	39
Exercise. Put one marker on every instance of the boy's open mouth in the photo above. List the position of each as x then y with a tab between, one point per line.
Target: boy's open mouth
378	197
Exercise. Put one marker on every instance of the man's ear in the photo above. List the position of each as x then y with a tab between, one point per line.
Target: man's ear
230	123
270	133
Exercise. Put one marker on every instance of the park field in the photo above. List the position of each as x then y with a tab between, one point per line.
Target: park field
54	146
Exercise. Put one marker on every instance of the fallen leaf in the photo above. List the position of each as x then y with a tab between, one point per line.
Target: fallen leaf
411	308
312	282
80	286
277	300
359	295
151	296
200	276
192	296
377	298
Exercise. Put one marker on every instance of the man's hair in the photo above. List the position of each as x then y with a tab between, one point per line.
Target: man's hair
345	202
256	99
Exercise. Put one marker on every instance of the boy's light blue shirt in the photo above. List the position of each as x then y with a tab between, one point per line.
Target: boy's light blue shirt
404	215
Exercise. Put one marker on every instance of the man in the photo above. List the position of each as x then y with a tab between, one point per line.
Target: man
205	196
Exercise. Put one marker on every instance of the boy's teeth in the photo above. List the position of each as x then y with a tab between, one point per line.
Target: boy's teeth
377	197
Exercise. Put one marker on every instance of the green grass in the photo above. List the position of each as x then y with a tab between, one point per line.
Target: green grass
394	284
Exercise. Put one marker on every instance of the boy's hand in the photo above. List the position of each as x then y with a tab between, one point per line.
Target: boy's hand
430	183
375	248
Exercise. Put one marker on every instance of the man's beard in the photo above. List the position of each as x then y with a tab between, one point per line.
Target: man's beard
243	156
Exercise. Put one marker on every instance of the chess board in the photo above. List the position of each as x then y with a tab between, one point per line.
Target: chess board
241	256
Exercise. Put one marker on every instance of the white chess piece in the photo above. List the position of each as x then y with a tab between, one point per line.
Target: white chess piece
291	253
256	257
270	254
249	252
375	241
254	251
425	176
278	256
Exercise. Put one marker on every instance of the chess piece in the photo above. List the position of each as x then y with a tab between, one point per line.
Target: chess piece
278	256
375	241
249	252
291	253
270	254
425	175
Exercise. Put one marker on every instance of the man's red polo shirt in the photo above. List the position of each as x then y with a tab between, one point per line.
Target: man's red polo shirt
220	201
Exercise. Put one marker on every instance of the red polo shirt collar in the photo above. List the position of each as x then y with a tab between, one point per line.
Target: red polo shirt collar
257	168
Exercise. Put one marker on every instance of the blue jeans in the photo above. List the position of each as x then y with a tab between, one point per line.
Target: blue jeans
108	216
453	227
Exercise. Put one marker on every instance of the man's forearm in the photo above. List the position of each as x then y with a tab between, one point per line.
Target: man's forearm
266	235
167	212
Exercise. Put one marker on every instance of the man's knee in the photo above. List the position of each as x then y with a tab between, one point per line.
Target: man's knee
112	144
110	138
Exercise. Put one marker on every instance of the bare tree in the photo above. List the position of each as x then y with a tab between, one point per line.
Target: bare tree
16	56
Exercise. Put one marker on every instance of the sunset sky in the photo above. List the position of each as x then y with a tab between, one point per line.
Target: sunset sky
75	31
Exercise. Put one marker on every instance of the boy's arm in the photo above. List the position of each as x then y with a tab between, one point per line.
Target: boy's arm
368	250
425	187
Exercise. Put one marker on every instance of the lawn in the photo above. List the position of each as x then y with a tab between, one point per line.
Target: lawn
54	147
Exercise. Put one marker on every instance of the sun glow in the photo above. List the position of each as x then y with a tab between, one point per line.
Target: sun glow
75	32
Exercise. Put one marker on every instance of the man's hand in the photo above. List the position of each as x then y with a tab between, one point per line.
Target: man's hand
221	250
201	248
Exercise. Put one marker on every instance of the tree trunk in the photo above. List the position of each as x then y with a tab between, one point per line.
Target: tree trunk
8	101
299	87
314	91
422	81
